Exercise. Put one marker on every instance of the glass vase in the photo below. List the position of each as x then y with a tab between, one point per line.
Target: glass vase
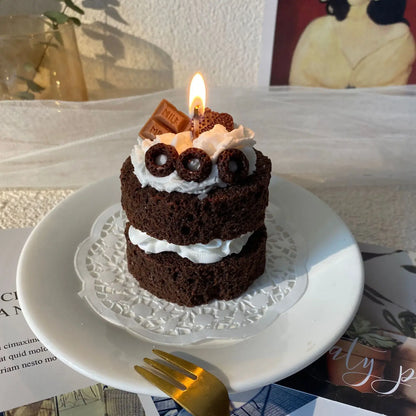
38	61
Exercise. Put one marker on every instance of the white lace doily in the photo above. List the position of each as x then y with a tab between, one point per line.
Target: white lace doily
116	296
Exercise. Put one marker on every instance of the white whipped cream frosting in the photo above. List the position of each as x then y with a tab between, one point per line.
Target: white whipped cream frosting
211	252
213	142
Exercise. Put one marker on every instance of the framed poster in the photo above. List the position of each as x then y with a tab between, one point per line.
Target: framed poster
344	43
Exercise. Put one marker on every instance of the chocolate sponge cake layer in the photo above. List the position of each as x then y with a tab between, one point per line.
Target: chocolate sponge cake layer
183	219
178	280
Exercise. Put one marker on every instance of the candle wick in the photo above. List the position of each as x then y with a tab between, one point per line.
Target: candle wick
196	111
196	121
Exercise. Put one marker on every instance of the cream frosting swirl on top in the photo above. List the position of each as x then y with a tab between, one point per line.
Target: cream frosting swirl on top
213	142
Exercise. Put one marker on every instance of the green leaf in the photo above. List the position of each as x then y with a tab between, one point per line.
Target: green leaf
56	17
73	6
33	86
369	334
380	341
75	21
25	95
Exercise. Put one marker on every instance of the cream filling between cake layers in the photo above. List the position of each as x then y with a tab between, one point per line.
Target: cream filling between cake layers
211	252
213	142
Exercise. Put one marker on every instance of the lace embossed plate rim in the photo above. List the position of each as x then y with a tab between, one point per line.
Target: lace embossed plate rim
48	287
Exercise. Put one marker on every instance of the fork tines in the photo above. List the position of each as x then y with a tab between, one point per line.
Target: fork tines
178	378
194	388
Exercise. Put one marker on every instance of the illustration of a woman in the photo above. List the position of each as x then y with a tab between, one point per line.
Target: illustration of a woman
360	43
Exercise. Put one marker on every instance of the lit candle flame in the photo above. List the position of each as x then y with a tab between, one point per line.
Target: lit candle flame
197	95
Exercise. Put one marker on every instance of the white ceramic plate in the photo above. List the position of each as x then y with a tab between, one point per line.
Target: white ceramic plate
48	287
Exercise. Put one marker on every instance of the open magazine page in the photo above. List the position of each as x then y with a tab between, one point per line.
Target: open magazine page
24	361
33	382
374	365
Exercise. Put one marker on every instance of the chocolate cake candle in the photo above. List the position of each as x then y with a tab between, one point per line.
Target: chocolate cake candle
194	192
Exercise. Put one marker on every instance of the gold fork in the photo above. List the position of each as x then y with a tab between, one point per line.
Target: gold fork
195	389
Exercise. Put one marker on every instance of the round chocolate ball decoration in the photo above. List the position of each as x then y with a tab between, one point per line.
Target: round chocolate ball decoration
160	159
211	118
193	164
232	166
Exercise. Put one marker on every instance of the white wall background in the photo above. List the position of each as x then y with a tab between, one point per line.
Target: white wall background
134	47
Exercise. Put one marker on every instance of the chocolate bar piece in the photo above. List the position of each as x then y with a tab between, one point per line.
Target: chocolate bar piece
152	128
165	119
